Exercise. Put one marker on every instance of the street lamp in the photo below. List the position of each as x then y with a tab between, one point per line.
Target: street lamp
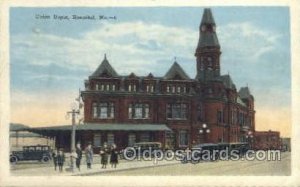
249	138
75	110
204	130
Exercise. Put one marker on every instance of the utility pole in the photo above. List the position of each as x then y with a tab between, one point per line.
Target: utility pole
75	111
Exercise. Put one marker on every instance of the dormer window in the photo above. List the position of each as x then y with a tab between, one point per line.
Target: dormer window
150	88
173	89
132	88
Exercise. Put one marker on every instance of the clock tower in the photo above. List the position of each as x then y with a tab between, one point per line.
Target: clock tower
208	49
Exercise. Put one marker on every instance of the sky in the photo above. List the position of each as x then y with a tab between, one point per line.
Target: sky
51	58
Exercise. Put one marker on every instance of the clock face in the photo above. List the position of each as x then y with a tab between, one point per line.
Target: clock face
203	28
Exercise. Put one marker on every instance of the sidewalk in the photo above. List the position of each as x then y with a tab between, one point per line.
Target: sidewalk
96	168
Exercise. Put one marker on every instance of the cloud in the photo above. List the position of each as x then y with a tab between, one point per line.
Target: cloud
249	52
136	45
248	42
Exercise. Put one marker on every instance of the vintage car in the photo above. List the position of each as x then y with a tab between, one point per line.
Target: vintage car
36	152
201	152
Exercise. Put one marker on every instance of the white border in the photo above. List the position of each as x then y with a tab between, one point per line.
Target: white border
6	179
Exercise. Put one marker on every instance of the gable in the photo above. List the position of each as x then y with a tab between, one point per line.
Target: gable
176	73
105	70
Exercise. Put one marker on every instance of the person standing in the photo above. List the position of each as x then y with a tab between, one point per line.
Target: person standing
113	156
54	157
79	156
104	156
60	160
89	156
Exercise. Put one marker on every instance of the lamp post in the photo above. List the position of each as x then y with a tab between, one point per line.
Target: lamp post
75	110
249	138
204	130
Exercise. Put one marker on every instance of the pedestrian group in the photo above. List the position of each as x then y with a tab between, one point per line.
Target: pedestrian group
58	156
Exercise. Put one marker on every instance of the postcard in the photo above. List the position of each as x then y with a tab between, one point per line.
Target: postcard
153	93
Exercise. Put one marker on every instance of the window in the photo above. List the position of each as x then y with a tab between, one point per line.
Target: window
178	89
97	87
95	110
173	89
184	89
132	88
131	139
220	116
138	111
107	87
176	111
110	139
102	87
97	140
113	87
183	138
150	88
103	110
232	117
168	89
145	137
199	113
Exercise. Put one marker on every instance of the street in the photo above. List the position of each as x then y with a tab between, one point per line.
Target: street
254	168
171	168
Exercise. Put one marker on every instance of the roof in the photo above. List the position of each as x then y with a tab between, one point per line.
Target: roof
208	38
244	93
106	126
24	135
18	127
207	17
239	101
105	68
227	81
175	71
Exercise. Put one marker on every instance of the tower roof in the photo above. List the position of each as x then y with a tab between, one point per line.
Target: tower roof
207	17
105	68
176	71
208	36
244	93
227	81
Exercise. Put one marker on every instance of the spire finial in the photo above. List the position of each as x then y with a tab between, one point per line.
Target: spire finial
175	59
228	72
105	56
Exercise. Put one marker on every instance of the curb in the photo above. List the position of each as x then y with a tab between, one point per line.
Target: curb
124	169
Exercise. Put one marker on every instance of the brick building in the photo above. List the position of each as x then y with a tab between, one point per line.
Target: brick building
266	140
175	109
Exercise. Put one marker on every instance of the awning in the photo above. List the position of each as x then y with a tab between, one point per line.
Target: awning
18	127
105	127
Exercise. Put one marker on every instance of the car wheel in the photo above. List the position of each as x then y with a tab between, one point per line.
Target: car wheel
13	159
45	159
